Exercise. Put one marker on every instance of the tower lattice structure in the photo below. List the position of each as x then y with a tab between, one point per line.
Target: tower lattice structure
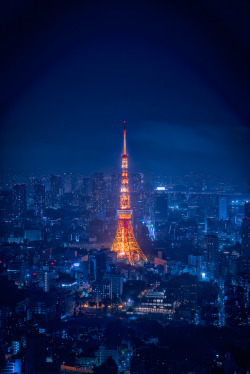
125	243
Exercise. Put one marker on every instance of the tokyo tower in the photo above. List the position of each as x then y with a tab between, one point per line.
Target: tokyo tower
125	243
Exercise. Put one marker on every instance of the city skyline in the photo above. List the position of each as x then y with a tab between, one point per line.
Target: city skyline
124	254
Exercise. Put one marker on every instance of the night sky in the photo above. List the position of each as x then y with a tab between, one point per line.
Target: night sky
178	73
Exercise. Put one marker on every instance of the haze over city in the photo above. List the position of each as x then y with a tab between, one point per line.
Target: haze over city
124	187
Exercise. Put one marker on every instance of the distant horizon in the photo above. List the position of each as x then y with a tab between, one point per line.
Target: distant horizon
106	173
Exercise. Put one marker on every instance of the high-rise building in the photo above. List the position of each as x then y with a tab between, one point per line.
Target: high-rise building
211	255
196	261
113	189
97	265
222	208
55	188
43	306
115	284
67	182
6	203
19	199
188	293
136	196
125	243
105	352
245	231
99	196
39	198
48	275
247	209
101	290
160	205
86	186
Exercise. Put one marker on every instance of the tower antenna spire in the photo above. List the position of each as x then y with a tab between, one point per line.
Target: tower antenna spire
124	242
124	140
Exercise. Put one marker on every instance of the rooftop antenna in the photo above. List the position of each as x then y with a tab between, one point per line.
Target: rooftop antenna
124	142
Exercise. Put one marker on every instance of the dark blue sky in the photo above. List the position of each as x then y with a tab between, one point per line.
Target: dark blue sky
71	72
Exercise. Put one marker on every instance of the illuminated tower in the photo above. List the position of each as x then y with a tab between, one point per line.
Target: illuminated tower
125	243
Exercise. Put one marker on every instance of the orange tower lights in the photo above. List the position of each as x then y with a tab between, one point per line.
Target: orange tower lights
125	243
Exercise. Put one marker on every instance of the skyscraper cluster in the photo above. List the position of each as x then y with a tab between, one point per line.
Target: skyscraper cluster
136	250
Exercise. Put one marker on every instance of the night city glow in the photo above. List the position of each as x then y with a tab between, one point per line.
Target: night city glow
125	245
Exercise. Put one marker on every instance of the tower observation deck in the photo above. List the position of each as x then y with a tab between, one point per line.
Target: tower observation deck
125	243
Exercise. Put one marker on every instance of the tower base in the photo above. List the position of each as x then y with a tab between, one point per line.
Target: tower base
125	243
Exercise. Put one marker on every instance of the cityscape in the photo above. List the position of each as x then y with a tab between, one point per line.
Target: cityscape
79	296
124	188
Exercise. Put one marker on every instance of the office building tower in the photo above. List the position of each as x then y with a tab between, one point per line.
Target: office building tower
247	210
160	205
136	196
42	306
6	203
48	276
196	261
245	232
19	199
222	208
115	284
55	189
211	255
97	265
105	352
188	293
39	198
113	194
86	188
67	182
99	196
101	290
